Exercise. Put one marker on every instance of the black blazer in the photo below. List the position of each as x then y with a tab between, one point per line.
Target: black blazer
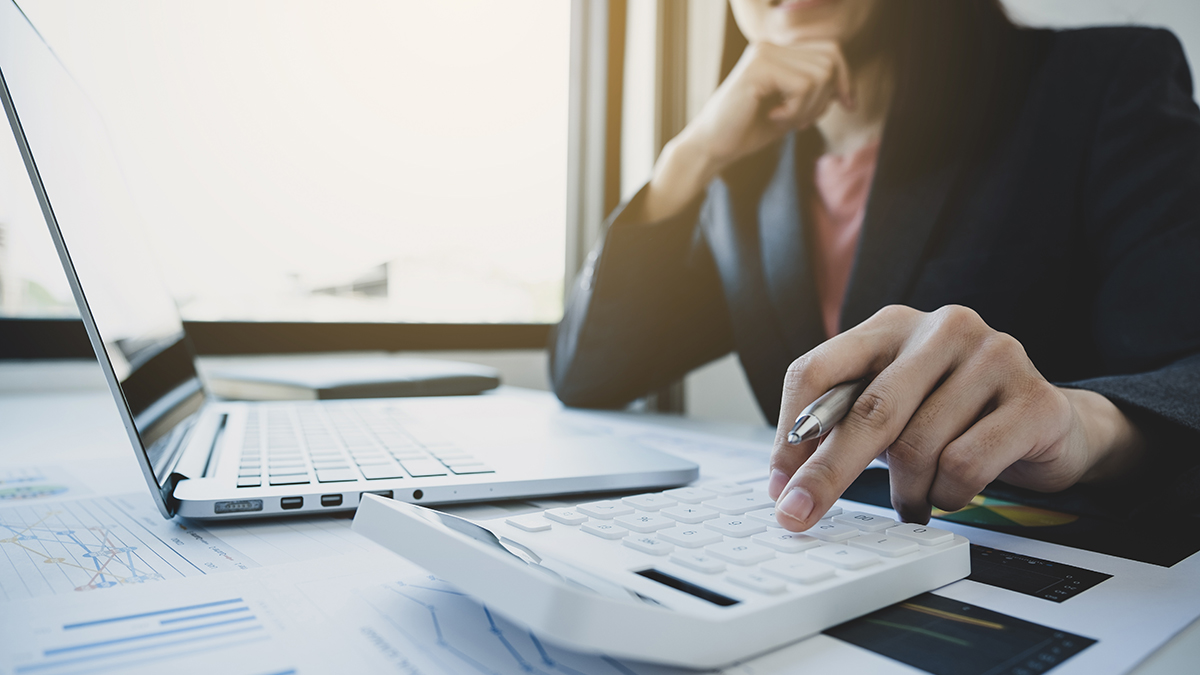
1060	200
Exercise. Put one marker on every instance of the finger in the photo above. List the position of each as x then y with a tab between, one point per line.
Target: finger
827	53
859	352
873	423
845	88
945	415
977	457
845	357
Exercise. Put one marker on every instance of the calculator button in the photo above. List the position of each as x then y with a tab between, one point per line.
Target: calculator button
604	509
828	530
786	542
648	544
689	513
757	581
604	530
833	511
532	522
644	522
566	516
739	504
798	571
926	536
727	489
740	552
699	561
764	516
692	536
864	521
650	502
690	495
843	556
889	547
736	526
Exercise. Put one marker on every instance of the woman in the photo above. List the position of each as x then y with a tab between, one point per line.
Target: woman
1000	226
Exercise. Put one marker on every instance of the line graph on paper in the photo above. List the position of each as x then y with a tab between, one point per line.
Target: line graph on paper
446	631
94	544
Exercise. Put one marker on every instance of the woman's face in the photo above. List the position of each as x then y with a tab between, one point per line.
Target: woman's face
787	22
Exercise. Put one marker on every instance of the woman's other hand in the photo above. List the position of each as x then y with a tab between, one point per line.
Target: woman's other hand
953	405
772	90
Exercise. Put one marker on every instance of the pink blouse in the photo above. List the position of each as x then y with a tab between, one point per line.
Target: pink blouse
842	184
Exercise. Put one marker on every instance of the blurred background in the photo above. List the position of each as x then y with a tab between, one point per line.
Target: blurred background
402	164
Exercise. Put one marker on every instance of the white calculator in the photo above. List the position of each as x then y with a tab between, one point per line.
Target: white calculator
699	577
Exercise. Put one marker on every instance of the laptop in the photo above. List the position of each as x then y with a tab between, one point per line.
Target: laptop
204	458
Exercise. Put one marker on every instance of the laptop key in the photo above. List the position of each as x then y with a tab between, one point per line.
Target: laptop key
249	481
381	471
472	468
419	468
298	479
336	475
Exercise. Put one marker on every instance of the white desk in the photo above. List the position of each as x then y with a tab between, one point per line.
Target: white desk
60	413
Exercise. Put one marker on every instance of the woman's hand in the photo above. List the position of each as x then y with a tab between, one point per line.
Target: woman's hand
771	91
952	406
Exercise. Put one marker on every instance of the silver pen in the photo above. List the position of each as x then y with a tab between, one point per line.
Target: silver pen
822	414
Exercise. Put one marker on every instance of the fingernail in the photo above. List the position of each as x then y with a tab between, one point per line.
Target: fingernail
776	483
797	504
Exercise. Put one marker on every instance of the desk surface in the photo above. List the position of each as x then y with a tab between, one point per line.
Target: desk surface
61	413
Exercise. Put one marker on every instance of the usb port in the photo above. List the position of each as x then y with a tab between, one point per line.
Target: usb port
291	502
331	500
386	494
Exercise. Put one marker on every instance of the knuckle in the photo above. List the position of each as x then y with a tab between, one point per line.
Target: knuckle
958	319
891	313
811	366
1002	347
874	409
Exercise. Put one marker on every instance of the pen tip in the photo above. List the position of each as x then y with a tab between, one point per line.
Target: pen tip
806	429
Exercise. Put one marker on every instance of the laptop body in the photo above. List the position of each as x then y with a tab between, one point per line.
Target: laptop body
204	458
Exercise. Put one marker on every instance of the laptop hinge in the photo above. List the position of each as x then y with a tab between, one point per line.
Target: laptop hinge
198	456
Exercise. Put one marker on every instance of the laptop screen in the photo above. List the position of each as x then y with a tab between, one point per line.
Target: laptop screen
132	321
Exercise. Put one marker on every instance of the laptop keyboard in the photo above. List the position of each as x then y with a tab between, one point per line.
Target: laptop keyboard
299	444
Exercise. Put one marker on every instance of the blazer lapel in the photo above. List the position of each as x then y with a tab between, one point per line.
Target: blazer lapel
787	265
907	198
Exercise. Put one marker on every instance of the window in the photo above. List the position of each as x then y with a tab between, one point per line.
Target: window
346	162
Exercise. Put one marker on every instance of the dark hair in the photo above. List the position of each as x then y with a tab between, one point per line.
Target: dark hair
948	56
936	45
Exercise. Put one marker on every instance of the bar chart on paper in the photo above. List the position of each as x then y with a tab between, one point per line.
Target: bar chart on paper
225	635
98	543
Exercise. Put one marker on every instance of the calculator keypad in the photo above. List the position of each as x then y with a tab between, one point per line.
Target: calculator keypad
729	531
